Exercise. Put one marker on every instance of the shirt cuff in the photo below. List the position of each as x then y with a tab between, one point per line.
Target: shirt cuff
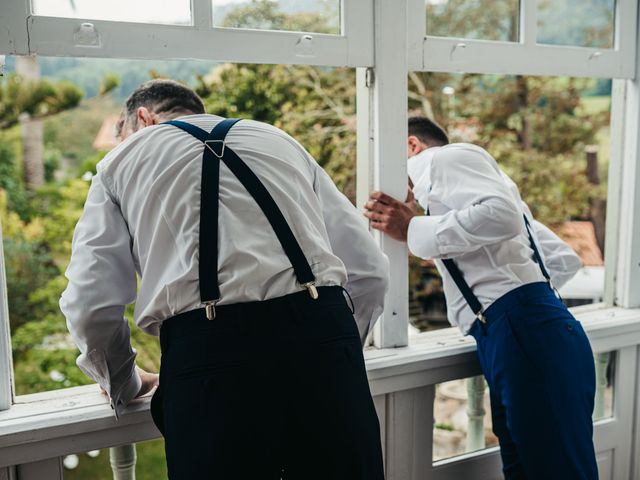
421	237
126	393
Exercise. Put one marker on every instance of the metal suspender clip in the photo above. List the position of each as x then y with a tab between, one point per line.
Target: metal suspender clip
311	288
481	317
555	290
210	309
210	144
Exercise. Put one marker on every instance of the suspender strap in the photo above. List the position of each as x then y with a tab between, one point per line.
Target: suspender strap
216	150
536	252
466	291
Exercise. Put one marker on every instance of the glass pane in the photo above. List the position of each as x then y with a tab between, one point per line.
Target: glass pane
150	463
476	19
174	12
462	418
552	136
317	16
605	374
582	23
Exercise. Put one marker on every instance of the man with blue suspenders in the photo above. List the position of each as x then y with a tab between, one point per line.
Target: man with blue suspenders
500	271
246	252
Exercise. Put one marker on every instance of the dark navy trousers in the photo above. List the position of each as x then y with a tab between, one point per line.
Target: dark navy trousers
539	366
267	391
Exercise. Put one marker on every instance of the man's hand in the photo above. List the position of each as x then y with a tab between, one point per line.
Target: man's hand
149	381
389	215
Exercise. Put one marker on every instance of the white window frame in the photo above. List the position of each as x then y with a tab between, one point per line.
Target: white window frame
399	26
28	34
526	56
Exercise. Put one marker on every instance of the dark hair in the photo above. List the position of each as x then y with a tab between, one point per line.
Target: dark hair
164	96
427	131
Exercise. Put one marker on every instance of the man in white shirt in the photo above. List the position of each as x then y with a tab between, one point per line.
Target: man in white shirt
243	247
500	268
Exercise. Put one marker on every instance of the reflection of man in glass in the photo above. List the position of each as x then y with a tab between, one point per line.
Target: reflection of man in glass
499	267
244	248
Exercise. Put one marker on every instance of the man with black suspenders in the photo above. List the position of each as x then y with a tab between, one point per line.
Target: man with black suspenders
245	250
500	271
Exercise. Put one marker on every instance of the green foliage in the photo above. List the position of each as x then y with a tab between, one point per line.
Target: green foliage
38	98
110	82
267	15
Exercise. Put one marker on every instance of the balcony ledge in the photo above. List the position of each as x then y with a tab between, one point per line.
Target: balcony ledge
79	419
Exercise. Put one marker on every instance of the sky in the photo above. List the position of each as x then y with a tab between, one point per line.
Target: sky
146	11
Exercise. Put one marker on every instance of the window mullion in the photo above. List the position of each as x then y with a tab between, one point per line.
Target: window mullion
6	363
202	13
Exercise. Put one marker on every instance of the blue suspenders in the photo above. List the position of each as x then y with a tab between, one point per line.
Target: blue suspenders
467	293
215	151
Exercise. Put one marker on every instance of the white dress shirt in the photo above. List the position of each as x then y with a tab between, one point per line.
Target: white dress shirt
476	219
141	217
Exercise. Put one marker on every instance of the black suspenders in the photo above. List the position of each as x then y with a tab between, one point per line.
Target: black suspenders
467	293
214	151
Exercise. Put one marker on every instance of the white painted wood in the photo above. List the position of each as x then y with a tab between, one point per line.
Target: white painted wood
614	190
357	26
483	465
528	22
483	56
8	473
635	444
389	103
380	404
476	413
409	432
605	464
123	462
13	27
202	13
628	269
529	58
416	32
6	362
364	138
402	380
49	469
25	34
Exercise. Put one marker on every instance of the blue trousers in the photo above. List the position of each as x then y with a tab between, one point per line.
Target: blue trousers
539	366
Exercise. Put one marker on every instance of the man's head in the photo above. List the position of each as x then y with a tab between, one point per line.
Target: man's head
154	102
423	134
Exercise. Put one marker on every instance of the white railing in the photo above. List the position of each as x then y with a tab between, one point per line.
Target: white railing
40	429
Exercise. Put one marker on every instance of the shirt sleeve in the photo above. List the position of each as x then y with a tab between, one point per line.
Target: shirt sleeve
102	280
367	267
481	209
561	261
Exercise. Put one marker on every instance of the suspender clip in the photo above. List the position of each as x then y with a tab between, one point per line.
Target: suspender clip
210	309
481	317
216	147
311	288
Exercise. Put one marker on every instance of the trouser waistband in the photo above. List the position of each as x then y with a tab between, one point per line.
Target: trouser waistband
331	295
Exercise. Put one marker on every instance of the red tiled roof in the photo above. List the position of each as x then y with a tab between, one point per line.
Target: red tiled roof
581	236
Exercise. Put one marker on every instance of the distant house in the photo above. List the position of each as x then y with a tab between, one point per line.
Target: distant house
588	284
106	138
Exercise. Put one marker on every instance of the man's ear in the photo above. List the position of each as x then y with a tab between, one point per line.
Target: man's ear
414	144
146	118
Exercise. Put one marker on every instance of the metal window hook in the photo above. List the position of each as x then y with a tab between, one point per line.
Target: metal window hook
459	45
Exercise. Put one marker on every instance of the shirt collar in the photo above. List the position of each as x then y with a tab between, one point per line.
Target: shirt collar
419	167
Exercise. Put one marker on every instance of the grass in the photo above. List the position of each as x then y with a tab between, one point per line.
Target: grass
151	464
